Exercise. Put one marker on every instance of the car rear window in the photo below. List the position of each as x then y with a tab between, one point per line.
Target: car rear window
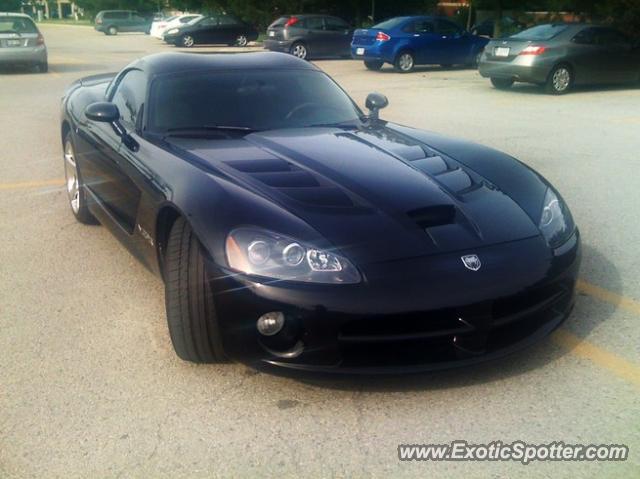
391	23
279	22
540	32
17	25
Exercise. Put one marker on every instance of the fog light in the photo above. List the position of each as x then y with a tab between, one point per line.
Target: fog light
270	324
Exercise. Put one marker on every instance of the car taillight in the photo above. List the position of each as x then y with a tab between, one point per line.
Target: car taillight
533	50
383	37
291	21
40	40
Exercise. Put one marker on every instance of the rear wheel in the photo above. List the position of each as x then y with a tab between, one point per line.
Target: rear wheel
242	41
112	30
502	83
559	80
187	41
299	50
404	62
373	64
74	186
191	315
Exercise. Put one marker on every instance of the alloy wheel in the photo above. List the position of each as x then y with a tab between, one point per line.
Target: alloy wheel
71	176
405	62
561	79
187	41
300	51
242	41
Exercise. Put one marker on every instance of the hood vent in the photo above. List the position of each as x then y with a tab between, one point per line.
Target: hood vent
432	216
294	182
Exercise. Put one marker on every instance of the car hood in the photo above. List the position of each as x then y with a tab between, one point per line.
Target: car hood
378	194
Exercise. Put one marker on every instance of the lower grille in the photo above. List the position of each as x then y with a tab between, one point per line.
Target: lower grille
452	334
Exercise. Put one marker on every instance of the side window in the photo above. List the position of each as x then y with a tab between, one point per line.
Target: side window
187	19
335	24
129	96
209	22
314	23
613	37
444	27
585	37
227	20
419	26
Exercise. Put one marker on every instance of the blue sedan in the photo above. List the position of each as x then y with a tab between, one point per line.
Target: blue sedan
409	41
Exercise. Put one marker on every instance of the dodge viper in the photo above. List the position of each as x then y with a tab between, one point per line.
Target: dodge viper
292	229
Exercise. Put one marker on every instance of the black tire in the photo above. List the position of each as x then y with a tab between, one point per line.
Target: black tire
502	83
111	30
404	62
560	80
74	185
374	65
191	316
43	67
300	50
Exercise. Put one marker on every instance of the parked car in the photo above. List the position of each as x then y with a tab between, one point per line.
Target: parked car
307	36
508	26
560	56
406	42
160	27
219	29
21	43
291	230
111	22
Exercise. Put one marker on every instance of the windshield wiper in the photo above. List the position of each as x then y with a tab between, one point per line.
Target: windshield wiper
349	124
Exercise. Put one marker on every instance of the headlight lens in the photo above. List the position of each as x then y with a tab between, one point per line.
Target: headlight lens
172	31
264	253
556	222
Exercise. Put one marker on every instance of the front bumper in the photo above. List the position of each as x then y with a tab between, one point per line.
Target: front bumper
277	45
527	69
23	55
407	316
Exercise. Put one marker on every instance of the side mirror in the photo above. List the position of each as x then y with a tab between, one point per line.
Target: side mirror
375	103
106	112
102	111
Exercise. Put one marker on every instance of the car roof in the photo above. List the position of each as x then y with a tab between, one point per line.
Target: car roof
15	14
164	63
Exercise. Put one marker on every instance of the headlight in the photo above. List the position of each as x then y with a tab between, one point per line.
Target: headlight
172	31
264	253
556	222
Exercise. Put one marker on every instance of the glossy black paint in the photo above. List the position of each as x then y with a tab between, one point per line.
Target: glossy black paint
404	205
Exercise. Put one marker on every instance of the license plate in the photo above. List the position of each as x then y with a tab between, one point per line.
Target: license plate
14	43
359	51
501	51
272	34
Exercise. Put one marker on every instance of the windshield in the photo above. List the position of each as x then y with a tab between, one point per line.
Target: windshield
17	25
540	32
389	24
249	99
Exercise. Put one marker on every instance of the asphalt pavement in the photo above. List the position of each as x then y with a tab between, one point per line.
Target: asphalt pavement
90	385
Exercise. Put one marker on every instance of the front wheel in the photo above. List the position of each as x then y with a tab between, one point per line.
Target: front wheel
242	41
112	30
187	41
404	62
560	80
191	314
502	83
373	64
75	188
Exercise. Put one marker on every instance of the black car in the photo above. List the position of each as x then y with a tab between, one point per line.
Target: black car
559	56
220	29
307	36
292	230
110	22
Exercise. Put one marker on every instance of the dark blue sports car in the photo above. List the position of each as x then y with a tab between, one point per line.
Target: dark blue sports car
290	229
406	42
